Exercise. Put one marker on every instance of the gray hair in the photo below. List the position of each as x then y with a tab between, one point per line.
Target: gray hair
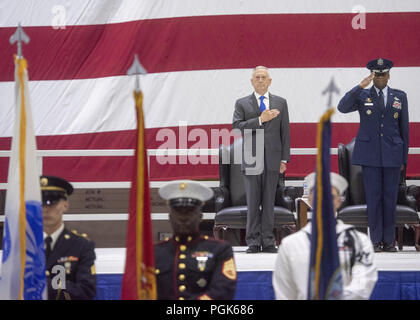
259	68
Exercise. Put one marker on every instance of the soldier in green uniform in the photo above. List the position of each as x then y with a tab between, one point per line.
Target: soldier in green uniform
189	265
70	257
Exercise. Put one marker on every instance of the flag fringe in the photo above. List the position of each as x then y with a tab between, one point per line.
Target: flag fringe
138	96
320	127
22	173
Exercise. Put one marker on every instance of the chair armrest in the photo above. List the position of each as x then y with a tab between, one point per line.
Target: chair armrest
407	195
345	202
285	197
221	198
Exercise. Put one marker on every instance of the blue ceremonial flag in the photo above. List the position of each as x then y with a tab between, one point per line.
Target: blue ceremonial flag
23	259
325	282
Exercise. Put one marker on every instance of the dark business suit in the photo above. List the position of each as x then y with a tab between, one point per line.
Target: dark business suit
77	255
261	187
381	148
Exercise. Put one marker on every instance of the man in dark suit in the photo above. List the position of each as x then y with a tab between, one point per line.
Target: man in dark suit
69	256
191	266
381	147
263	119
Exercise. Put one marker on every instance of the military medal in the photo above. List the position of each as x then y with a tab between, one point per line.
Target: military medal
201	263
397	103
202	257
396	115
67	265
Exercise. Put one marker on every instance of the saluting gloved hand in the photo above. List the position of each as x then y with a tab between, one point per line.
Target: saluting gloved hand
366	81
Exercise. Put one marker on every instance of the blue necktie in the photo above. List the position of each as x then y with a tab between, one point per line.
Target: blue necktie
262	105
381	100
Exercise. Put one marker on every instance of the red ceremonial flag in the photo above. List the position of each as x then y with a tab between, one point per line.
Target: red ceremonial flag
139	280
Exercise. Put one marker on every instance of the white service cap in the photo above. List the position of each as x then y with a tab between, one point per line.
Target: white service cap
186	189
337	181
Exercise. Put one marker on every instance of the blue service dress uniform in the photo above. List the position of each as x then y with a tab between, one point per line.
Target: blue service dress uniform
381	147
77	255
198	268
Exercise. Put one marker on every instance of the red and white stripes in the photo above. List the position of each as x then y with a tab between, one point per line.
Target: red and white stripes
199	55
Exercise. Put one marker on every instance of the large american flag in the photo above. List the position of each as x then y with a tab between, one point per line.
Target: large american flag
199	55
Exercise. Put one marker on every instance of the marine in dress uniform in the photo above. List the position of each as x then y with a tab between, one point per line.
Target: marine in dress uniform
189	265
68	249
356	255
381	147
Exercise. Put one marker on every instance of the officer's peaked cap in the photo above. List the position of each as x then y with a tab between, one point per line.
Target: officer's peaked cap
54	188
380	65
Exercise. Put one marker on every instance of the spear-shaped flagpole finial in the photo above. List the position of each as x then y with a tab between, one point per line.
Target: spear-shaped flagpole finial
18	37
330	90
137	69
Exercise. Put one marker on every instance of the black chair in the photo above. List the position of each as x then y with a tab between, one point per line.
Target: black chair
230	198
354	210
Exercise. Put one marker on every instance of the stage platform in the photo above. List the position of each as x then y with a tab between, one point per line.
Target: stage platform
399	274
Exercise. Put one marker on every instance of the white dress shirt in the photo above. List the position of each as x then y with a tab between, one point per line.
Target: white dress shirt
54	236
266	102
385	91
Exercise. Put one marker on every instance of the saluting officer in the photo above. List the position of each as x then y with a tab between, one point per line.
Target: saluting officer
381	147
73	252
189	265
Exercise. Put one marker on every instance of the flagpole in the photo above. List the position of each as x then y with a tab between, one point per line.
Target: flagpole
18	37
23	262
325	279
139	281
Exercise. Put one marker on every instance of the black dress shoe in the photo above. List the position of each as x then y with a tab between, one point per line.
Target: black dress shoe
389	248
377	247
253	249
270	249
